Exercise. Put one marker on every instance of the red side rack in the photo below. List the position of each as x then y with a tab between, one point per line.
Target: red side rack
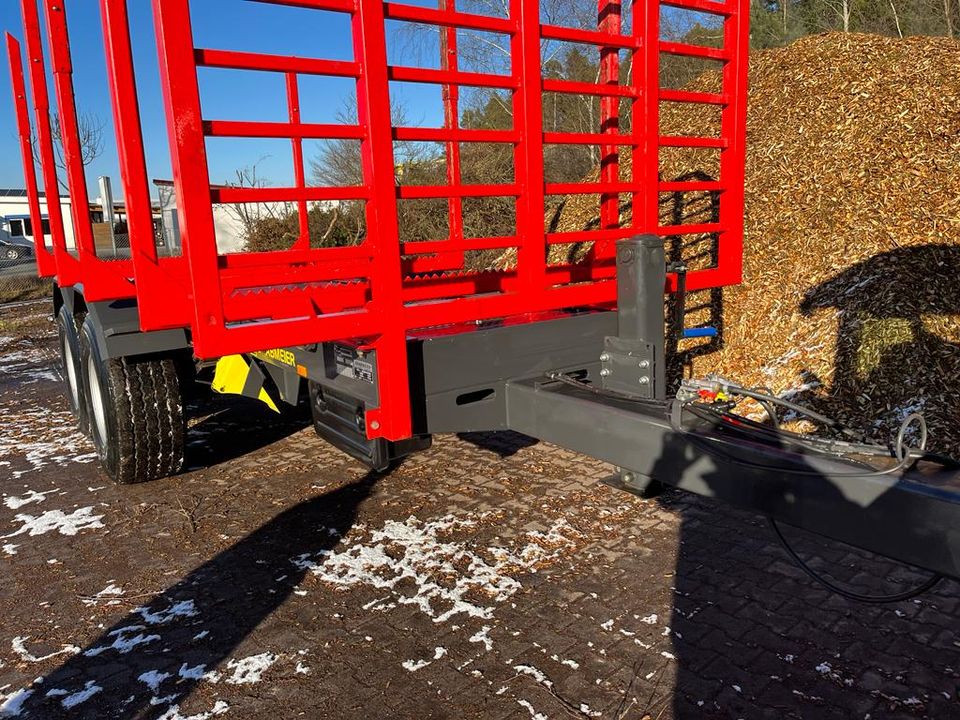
382	289
101	278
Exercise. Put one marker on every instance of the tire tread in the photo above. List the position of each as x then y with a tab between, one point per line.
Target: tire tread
144	401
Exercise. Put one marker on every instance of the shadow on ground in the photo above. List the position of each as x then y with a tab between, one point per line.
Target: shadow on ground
199	622
505	444
231	427
745	615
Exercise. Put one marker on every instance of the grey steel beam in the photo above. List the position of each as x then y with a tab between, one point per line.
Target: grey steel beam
911	516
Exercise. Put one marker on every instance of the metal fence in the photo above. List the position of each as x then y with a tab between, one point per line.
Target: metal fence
18	277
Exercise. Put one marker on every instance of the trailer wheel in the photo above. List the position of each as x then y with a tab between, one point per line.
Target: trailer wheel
135	413
68	332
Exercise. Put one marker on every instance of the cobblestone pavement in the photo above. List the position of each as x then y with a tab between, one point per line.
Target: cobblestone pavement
490	577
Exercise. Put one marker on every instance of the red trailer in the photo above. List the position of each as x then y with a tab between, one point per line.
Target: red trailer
397	340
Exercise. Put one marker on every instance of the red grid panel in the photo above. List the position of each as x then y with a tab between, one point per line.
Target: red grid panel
161	283
384	289
101	278
46	263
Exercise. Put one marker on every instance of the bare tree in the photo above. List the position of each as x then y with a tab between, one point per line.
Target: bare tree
250	215
90	130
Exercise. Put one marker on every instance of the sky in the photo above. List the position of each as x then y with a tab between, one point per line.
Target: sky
225	94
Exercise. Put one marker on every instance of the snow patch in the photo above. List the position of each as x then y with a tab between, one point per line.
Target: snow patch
533	713
197	672
183	608
32	496
82	519
41	437
123	641
173	713
483	637
19	647
441	573
29	363
12	704
569	663
153	679
414	665
81	696
250	670
110	591
538	675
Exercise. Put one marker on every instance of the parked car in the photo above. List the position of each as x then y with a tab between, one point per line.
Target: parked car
16	237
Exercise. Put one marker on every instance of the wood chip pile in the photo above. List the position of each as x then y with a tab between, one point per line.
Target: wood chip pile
851	294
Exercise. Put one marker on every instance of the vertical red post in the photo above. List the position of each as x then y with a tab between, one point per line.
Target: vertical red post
159	305
528	159
736	42
451	121
645	118
299	174
178	78
68	269
46	265
392	419
55	15
609	21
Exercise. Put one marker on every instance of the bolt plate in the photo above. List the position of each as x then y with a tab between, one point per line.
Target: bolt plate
630	367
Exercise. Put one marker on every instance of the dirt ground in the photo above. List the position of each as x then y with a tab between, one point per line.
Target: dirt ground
490	577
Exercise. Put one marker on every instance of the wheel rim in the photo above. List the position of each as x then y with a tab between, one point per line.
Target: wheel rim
96	403
71	371
12	254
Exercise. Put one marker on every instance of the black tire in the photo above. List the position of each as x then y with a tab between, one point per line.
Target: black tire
68	330
135	412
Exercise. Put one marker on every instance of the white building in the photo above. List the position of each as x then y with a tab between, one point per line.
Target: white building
13	202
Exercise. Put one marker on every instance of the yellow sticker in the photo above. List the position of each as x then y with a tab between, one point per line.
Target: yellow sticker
279	355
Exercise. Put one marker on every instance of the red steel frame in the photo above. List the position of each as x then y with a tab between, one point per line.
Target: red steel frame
46	262
101	278
382	289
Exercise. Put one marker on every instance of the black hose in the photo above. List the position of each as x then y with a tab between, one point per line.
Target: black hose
799	409
849	594
704	444
805	442
904	456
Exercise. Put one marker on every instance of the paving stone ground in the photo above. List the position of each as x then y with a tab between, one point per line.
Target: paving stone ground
489	577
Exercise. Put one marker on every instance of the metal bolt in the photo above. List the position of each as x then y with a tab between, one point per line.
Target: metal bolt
644	380
374	424
605	357
644	364
606	372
